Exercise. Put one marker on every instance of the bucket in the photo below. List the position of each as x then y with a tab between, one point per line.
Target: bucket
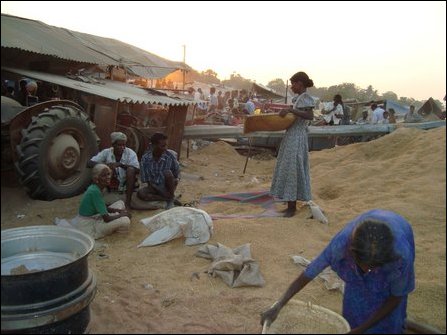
299	317
46	285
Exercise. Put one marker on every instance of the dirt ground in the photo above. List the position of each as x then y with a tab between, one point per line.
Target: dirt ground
152	289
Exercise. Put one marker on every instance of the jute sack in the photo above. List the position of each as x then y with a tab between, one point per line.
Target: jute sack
267	122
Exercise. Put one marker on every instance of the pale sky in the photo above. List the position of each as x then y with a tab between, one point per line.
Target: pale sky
393	46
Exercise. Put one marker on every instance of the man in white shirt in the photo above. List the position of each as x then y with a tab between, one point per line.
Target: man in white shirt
412	117
122	161
334	113
377	115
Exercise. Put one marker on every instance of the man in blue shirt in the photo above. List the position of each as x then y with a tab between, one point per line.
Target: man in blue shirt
160	170
374	255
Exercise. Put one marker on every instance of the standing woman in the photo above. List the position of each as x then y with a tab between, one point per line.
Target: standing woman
291	179
95	218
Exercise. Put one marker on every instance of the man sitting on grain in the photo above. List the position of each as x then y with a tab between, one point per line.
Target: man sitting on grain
160	170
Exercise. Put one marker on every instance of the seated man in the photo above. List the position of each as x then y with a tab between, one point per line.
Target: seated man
122	161
160	170
249	107
364	118
412	117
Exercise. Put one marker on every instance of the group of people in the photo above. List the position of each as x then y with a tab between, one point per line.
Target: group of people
378	115
381	116
230	106
25	94
374	253
338	113
117	168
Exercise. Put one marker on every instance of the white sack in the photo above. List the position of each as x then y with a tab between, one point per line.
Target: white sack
317	213
193	223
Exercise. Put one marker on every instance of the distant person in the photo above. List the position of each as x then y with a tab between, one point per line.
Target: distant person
95	218
377	114
200	99
334	115
7	91
161	171
213	101
392	118
10	92
191	91
123	162
234	102
374	255
198	96
385	119
226	97
346	118
220	101
364	118
291	178
412	117
249	107
22	94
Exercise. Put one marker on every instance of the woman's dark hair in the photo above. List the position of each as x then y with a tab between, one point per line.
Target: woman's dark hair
303	77
373	243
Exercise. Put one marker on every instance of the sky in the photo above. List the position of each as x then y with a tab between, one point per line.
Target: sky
393	46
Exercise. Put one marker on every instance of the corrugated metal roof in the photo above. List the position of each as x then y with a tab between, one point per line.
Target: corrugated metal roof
35	36
113	90
38	37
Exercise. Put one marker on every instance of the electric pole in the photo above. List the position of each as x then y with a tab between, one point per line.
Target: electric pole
184	65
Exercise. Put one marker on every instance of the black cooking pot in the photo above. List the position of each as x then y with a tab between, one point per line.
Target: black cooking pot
46	286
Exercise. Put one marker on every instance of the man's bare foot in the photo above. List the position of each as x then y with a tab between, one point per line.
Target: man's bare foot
289	212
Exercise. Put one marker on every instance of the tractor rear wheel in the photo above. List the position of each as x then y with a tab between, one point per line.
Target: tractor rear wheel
54	152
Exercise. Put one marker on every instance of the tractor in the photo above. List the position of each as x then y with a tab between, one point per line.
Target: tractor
49	144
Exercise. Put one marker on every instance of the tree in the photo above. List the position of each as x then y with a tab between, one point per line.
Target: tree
407	101
209	73
209	77
277	85
346	90
238	82
389	95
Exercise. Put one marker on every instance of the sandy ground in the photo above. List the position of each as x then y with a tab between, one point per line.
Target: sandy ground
152	290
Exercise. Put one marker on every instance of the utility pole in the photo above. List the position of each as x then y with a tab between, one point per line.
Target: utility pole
184	65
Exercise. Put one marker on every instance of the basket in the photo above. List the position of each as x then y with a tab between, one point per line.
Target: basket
268	122
299	317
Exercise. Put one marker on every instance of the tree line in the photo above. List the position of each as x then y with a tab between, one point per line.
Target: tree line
346	90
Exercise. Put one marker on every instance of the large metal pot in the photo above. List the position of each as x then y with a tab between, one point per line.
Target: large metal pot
46	286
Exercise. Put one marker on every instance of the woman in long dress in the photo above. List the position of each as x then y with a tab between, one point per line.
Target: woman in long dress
291	178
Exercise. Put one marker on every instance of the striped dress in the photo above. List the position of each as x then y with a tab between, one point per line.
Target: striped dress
291	178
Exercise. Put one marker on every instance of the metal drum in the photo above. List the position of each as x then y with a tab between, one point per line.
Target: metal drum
46	285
